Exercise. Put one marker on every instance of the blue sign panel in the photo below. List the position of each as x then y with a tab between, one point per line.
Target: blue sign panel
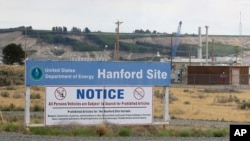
97	73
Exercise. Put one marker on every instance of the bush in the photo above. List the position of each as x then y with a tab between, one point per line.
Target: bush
225	99
16	96
244	105
11	107
11	127
219	133
10	88
37	108
36	88
185	133
5	94
101	129
5	82
35	96
124	132
172	98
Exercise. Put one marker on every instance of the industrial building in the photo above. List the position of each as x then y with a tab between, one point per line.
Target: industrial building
207	71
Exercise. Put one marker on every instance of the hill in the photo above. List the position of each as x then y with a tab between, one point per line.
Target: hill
57	45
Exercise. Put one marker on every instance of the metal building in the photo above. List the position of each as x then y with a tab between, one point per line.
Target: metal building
214	75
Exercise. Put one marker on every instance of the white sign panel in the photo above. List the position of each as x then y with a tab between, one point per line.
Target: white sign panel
95	105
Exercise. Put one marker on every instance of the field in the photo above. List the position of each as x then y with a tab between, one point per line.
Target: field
207	104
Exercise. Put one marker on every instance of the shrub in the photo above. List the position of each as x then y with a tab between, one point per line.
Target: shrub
209	90
219	133
45	131
5	82
11	127
187	91
5	94
124	132
35	96
225	99
16	96
244	105
101	129
10	88
12	107
37	108
172	98
37	88
185	133
157	94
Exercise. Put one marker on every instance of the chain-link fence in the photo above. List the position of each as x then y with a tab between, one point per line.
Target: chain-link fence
240	80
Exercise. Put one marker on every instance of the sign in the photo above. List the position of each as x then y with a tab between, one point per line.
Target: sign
97	73
95	105
239	132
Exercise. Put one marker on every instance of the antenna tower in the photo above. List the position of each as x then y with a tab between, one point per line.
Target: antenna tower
240	26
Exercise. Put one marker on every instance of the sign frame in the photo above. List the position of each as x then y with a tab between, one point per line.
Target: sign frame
149	65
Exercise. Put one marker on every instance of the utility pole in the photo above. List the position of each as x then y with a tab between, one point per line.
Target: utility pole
212	52
25	40
171	55
117	47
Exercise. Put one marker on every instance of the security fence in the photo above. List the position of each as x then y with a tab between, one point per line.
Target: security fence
215	79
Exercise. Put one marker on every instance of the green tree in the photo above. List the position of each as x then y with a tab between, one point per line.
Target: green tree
86	30
13	53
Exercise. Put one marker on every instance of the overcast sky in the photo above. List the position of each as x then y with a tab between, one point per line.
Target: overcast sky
222	16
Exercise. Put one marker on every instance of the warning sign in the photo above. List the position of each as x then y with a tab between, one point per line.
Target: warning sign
94	105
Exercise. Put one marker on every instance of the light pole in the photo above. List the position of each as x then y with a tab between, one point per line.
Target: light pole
206	44
106	46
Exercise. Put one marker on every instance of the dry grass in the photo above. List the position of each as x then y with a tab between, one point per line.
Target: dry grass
189	105
205	106
19	102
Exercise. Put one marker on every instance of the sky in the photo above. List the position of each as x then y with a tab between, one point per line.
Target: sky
223	17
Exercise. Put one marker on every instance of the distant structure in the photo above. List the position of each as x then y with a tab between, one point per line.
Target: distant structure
117	45
240	26
199	49
176	41
206	44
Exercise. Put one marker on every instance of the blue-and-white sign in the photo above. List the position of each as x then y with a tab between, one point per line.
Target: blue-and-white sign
97	73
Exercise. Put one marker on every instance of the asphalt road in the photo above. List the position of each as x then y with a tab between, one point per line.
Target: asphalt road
21	137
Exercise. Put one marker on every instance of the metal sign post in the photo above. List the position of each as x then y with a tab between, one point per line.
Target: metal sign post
27	107
166	116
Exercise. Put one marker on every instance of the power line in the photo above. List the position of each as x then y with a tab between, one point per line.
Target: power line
240	26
